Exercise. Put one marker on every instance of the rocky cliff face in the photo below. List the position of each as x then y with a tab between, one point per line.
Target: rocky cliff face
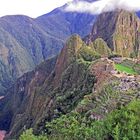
120	29
48	92
17	99
23	45
67	56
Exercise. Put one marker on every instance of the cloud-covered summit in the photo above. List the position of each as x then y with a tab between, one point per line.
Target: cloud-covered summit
100	6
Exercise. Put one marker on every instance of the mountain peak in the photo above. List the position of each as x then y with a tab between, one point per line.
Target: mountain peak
74	43
120	29
67	56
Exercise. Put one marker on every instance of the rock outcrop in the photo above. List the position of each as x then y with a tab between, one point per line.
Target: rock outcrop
48	92
67	56
101	47
120	30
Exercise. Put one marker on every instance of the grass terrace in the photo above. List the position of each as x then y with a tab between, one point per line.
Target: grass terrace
126	69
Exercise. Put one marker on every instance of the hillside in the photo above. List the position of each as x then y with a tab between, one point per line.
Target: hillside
26	42
23	45
38	97
66	23
78	81
62	86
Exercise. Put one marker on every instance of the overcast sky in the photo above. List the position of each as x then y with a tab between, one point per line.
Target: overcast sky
32	8
35	8
103	6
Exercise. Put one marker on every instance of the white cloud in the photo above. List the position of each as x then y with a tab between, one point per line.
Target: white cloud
31	8
36	8
100	6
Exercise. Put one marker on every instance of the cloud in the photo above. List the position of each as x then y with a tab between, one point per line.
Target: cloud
101	6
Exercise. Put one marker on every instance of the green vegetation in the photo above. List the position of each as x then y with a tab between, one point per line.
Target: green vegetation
128	66
126	69
28	135
88	54
101	47
121	124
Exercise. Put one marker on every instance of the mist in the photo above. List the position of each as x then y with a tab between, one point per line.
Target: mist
101	6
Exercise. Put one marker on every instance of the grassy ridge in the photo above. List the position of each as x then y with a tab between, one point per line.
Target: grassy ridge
126	69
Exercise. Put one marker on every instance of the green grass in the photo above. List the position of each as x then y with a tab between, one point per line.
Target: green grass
126	69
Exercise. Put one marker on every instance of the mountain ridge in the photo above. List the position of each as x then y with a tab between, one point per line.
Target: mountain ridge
37	39
115	24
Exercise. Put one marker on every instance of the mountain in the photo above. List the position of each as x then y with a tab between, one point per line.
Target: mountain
23	45
22	89
120	30
80	80
66	23
26	42
77	88
42	94
30	36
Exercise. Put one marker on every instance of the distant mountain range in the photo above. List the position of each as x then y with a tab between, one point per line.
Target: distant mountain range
26	42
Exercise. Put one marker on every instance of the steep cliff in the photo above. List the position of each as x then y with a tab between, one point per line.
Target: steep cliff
18	95
120	29
37	97
23	45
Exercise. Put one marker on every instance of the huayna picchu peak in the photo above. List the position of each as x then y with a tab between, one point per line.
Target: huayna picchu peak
70	76
120	30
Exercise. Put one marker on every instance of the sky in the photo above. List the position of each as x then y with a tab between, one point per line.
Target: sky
103	6
32	8
35	8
